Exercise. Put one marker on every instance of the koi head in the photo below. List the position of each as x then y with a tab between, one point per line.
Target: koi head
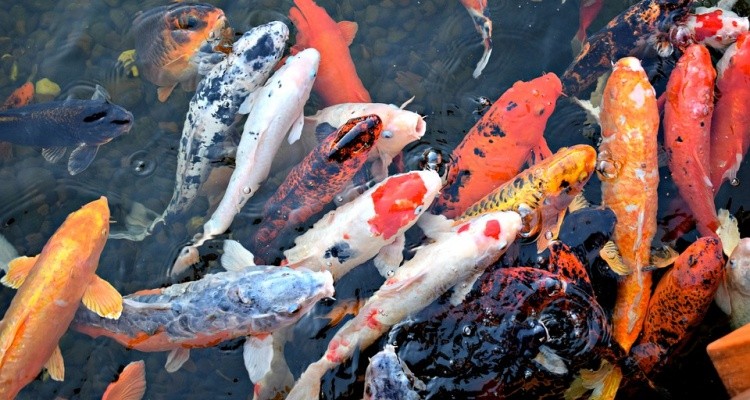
401	199
96	121
355	137
529	102
400	127
491	231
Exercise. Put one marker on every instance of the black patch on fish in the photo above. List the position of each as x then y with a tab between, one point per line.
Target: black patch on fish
479	152
511	106
341	251
264	48
323	130
496	131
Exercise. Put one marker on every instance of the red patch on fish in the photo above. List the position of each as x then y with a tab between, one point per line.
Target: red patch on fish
710	24
463	227
371	320
492	229
396	204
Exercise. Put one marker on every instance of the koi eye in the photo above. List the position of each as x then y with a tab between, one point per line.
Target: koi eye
418	210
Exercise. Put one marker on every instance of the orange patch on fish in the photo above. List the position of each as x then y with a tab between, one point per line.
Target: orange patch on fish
391	215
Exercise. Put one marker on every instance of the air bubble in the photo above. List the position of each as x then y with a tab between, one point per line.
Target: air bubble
734	182
141	163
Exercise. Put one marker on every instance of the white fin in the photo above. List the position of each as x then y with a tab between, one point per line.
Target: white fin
7	253
258	353
137	223
728	231
390	256
236	257
295	132
81	157
248	104
461	289
434	225
590	109
407	102
100	93
722	297
53	154
548	359
176	358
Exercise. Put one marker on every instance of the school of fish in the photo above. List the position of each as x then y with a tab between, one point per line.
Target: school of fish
498	278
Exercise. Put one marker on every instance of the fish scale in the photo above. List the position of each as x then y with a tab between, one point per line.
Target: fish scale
214	107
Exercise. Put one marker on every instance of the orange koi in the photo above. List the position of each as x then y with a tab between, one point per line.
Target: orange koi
314	182
483	24
628	168
337	81
730	124
52	285
687	128
680	301
483	161
130	385
20	97
541	193
175	42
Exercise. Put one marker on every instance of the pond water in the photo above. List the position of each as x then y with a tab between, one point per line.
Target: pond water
404	48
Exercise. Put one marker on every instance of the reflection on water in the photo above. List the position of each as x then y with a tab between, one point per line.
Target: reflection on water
404	48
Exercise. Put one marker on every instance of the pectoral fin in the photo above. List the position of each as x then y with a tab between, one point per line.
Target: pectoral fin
55	366
53	154
176	358
18	270
103	299
131	385
163	92
390	256
348	31
258	353
295	132
611	254
461	289
81	157
236	257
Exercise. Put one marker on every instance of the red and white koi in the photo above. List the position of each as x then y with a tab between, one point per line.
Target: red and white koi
476	9
454	256
213	108
371	225
273	112
713	26
687	133
730	125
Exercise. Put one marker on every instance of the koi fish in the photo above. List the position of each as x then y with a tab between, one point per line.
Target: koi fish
56	125
244	301
213	108
483	24
313	183
337	80
174	44
515	121
400	127
20	97
372	225
541	193
680	301
51	285
730	124
274	111
588	10
687	128
733	295
388	378
455	255
643	26
628	168
130	384
713	26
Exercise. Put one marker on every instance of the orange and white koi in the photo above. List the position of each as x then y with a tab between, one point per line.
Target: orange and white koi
476	9
371	225
174	44
541	193
628	168
337	80
244	301
436	267
314	183
130	384
680	301
482	161
52	285
730	125
687	133
274	111
713	26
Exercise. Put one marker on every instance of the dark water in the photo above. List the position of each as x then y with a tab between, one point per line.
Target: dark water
404	48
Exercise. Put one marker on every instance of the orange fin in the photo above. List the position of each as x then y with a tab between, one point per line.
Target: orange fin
348	31
130	385
611	255
103	299
55	366
18	270
163	92
303	27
